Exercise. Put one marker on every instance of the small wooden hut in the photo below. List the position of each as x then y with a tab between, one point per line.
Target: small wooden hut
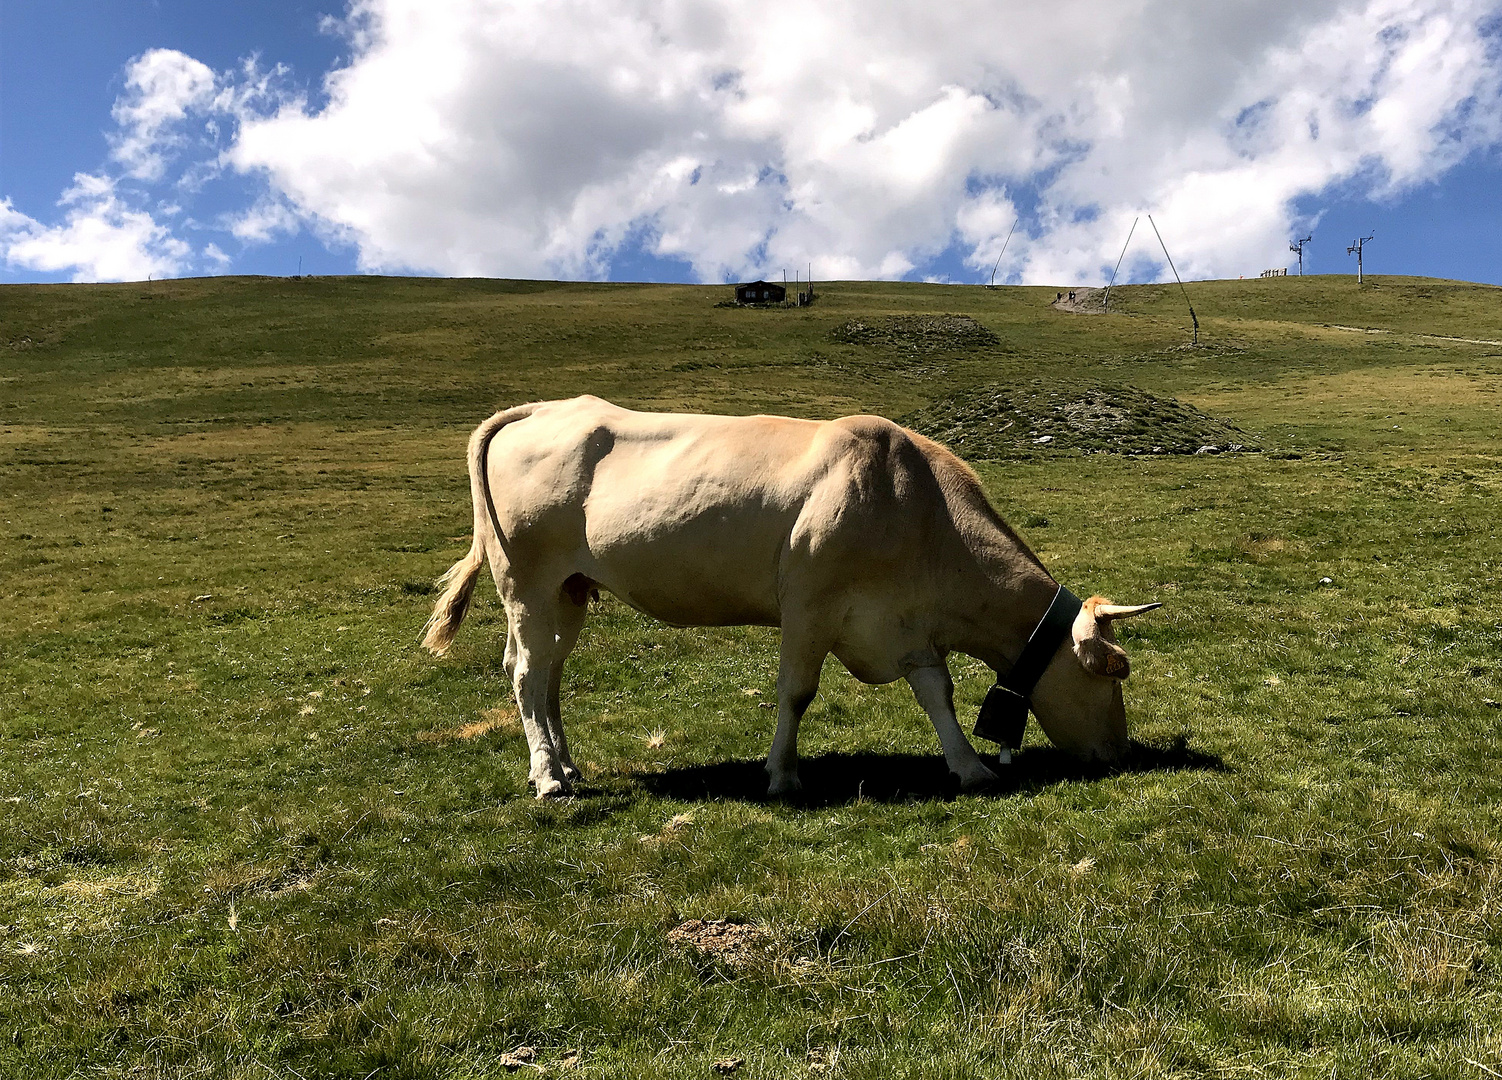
760	292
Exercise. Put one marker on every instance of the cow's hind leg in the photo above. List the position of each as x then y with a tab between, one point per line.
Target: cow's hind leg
508	659
934	690
571	614
797	683
534	636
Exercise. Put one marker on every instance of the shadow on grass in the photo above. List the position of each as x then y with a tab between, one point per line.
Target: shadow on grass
836	779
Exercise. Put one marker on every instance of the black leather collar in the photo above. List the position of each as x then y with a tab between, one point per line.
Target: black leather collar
1044	642
1003	715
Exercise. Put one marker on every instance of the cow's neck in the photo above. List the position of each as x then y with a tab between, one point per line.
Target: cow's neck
1007	603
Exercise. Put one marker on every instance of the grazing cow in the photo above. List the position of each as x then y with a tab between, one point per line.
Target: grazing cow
854	536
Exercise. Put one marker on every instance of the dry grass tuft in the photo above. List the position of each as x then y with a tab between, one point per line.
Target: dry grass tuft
670	830
243	879
501	718
1427	960
290	886
823	1058
114	886
1259	548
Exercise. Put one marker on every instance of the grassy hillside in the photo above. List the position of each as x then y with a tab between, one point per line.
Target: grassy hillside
247	828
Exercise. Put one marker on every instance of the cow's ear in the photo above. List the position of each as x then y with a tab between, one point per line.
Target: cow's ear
1102	657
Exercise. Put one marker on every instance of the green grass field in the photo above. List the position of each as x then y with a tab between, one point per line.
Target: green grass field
249	829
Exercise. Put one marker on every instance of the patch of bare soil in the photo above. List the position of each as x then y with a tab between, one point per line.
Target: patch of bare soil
999	421
1080	301
917	333
736	945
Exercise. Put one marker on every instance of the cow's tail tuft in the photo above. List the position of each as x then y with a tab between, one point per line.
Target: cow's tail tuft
458	589
458	582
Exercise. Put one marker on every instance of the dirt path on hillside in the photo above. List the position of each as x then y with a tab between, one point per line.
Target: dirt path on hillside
1413	333
1085	302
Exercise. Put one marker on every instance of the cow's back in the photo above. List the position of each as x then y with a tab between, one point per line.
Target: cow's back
685	517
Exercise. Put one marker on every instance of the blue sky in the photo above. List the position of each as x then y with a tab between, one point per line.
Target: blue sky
62	66
663	141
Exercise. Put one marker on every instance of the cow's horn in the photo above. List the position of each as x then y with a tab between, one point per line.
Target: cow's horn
1108	612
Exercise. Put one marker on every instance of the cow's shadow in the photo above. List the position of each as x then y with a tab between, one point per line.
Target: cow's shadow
836	779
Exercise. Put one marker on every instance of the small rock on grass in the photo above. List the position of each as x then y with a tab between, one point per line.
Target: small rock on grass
519	1058
726	1066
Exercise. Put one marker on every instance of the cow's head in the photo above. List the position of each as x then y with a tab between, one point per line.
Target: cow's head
1078	699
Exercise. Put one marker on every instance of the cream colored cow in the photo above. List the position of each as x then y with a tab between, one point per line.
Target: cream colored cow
854	536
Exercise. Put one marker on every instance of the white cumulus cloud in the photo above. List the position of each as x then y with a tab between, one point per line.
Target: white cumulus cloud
99	239
529	138
161	87
263	221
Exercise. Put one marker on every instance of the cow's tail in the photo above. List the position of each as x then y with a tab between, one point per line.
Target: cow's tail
458	583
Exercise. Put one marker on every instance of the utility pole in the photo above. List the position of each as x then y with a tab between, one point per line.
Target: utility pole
1355	249
1297	247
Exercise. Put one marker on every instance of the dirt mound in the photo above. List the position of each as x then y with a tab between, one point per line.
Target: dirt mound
1004	421
735	945
917	333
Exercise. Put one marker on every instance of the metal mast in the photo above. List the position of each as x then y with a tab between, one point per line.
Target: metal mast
1355	249
1175	270
1003	252
1297	247
1105	303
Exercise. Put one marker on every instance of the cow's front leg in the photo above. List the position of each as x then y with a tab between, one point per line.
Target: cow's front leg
797	683
934	690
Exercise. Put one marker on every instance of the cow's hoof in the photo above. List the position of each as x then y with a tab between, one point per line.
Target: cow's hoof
571	773
785	787
554	789
982	779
